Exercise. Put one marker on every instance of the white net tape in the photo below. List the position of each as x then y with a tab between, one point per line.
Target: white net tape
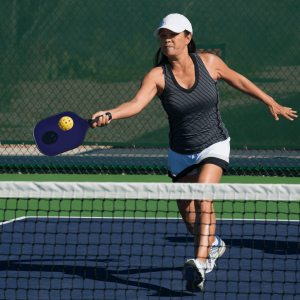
128	190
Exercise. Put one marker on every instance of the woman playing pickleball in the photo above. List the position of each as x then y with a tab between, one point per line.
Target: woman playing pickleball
186	83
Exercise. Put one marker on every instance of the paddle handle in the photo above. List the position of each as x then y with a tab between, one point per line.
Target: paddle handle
90	121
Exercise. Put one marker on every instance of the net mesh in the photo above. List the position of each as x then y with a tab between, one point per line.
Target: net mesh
128	241
73	55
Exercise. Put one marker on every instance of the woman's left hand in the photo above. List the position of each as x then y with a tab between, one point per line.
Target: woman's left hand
276	110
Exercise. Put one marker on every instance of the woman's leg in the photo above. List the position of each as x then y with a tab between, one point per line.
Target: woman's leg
205	219
199	215
187	207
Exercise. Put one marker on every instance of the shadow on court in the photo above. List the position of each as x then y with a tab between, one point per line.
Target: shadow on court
267	246
60	269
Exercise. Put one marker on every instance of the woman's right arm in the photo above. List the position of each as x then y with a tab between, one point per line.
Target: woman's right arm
147	91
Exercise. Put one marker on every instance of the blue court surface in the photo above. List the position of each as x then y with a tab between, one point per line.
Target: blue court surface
104	258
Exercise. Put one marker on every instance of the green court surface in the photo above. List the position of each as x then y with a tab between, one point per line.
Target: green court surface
130	208
230	209
140	178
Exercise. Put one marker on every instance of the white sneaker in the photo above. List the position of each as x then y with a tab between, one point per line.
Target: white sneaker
194	272
215	253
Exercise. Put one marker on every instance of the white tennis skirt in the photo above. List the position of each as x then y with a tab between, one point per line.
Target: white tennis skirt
181	165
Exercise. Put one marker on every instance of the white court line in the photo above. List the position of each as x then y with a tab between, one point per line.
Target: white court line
13	220
137	218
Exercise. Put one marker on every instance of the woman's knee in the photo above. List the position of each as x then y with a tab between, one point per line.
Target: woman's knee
204	206
190	227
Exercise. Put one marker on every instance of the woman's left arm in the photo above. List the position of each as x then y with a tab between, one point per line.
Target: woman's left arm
241	83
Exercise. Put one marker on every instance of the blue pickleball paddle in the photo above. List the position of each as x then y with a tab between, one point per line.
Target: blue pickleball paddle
52	140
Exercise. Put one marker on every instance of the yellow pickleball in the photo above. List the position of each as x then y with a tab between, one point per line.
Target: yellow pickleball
65	123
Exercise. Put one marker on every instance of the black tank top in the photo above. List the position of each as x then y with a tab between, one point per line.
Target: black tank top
194	116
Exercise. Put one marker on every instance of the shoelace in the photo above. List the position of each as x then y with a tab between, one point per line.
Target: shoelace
210	261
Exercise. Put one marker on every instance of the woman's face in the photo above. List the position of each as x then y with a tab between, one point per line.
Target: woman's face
172	43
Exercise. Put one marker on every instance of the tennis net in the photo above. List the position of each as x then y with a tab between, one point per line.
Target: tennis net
72	240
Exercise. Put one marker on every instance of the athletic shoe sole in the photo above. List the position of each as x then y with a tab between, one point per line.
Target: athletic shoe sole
191	273
192	287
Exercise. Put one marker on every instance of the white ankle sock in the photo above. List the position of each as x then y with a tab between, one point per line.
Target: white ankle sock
215	243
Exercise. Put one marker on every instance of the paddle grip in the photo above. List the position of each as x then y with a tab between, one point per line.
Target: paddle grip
90	121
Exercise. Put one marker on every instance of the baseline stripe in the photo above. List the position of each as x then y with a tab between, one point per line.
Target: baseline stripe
137	218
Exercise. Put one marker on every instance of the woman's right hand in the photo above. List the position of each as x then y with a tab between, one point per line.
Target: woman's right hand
103	119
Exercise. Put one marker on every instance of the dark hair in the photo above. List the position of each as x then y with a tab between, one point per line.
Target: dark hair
159	57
